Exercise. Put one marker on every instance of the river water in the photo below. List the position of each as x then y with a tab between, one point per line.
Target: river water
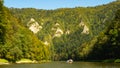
64	65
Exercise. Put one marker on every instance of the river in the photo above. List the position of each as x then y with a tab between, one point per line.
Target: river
64	65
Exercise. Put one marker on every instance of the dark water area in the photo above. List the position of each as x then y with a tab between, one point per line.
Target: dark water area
64	65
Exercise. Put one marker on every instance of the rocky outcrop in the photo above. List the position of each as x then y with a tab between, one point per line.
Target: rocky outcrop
34	26
58	32
46	43
85	29
67	32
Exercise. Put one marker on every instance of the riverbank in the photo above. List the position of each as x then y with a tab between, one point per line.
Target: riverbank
28	61
3	61
104	61
31	61
22	61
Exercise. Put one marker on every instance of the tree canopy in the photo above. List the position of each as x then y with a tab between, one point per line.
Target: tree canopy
80	33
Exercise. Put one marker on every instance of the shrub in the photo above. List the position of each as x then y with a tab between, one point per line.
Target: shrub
117	61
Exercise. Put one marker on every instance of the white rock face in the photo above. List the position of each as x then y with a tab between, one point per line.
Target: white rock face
34	26
57	24
46	43
58	32
53	29
32	20
81	24
86	29
67	32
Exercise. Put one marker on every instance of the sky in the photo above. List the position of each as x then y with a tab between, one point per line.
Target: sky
53	4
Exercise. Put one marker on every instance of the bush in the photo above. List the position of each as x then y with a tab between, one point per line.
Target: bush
117	61
108	60
3	61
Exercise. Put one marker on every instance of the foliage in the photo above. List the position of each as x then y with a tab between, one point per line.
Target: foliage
117	61
109	60
3	61
16	41
101	42
108	42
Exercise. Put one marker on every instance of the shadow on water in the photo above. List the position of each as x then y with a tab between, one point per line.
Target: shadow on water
64	65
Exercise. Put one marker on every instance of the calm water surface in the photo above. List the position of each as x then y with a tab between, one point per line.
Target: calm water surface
64	65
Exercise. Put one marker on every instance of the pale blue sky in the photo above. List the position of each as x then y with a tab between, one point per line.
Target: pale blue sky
53	4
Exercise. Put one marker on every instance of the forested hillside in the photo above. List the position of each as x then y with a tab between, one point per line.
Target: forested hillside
74	32
81	33
17	42
106	45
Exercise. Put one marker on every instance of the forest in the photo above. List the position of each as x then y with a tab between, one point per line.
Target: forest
17	41
80	33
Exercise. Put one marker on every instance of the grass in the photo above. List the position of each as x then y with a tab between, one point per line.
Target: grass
25	61
3	61
117	61
32	61
112	60
109	60
44	61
